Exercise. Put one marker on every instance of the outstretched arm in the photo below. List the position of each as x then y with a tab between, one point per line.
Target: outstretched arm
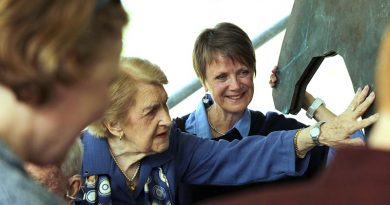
320	114
337	131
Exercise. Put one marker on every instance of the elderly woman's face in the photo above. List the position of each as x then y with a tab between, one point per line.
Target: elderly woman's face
148	123
230	83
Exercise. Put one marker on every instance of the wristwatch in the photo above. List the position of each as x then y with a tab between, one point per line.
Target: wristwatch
313	107
315	133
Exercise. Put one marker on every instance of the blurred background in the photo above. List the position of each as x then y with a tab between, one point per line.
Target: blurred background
164	32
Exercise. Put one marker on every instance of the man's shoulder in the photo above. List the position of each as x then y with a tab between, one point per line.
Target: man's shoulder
18	188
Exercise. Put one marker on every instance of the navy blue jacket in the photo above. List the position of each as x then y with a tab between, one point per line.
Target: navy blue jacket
199	161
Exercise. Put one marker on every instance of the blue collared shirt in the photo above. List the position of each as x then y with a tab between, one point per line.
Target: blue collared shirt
197	122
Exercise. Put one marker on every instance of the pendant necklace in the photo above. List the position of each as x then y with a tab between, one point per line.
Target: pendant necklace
211	126
130	181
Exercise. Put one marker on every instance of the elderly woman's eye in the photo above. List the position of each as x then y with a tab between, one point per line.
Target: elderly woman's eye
149	112
153	111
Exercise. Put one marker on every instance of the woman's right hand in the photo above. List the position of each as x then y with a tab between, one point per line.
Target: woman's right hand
338	131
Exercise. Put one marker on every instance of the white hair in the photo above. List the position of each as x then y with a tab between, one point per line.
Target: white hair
73	161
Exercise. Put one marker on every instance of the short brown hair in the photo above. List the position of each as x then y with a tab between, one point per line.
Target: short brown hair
122	91
37	37
226	39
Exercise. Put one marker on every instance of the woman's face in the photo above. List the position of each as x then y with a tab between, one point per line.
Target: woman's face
148	122
230	83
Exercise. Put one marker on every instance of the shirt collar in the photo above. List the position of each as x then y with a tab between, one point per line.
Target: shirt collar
201	127
243	125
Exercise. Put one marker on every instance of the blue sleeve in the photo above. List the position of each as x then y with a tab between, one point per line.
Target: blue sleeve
332	151
252	159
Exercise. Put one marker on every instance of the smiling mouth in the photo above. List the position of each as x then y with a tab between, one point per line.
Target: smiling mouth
235	97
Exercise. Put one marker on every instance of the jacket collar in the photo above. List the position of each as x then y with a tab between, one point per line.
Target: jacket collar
98	160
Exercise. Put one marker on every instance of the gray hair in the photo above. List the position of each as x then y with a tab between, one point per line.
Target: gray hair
73	161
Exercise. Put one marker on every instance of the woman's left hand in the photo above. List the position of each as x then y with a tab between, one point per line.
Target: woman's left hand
273	79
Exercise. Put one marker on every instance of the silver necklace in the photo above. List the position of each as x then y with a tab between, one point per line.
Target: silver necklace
213	128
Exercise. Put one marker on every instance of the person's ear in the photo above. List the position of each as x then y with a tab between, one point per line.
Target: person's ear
74	185
205	86
114	128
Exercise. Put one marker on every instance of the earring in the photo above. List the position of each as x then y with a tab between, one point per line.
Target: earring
69	196
120	137
205	100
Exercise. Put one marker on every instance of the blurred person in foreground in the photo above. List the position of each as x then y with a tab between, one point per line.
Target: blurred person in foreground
57	59
358	175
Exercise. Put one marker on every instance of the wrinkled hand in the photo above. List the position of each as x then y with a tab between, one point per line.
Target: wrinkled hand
337	132
273	79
